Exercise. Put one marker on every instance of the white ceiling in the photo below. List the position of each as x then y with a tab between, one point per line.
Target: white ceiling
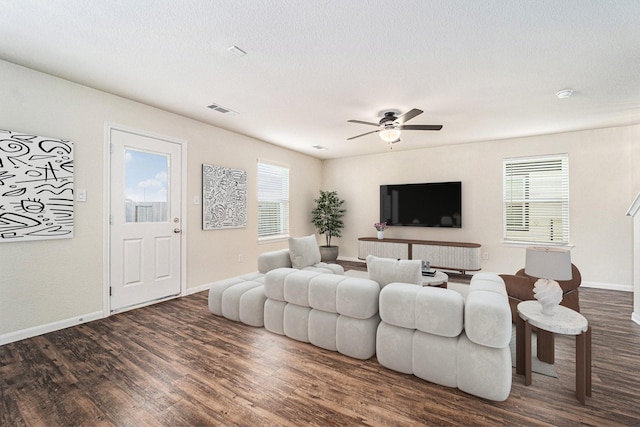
484	69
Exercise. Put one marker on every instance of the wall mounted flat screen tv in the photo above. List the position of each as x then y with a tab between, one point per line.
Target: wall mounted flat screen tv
436	204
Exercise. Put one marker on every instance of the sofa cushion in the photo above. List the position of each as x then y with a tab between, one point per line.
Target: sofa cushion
322	292
387	270
397	304
304	251
394	347
324	267
484	371
296	322
274	283
322	329
439	311
296	287
435	358
357	298
357	337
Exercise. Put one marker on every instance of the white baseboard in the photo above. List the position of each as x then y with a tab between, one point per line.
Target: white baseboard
197	289
49	327
635	317
607	286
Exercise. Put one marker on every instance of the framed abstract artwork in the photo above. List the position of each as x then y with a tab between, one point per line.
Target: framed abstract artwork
224	197
36	187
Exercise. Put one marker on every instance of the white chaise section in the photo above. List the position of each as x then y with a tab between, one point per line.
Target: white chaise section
242	298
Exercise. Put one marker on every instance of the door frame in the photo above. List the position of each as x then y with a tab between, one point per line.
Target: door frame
108	128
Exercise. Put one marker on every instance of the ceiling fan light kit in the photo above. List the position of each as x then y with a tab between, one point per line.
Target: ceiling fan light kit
390	126
390	134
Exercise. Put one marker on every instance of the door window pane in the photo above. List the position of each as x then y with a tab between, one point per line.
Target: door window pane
146	186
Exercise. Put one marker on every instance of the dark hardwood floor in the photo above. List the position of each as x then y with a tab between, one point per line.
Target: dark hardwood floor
174	363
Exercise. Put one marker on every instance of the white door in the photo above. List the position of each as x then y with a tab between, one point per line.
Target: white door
145	222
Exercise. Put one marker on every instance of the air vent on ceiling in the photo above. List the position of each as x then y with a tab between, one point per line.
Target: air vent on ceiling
221	109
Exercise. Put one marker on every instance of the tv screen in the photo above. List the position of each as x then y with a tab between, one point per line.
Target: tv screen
436	204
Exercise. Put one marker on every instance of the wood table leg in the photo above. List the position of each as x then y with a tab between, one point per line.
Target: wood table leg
588	344
581	366
546	346
527	353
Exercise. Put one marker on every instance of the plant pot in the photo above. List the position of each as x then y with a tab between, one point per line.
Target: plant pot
381	234
328	253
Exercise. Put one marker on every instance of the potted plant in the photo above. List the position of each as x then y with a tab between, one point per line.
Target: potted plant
327	218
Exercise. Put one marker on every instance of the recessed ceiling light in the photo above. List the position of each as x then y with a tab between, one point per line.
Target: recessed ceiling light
564	93
236	51
319	147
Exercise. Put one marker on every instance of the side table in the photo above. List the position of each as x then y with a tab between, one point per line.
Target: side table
565	321
440	279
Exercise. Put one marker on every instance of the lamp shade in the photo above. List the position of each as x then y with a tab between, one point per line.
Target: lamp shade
548	263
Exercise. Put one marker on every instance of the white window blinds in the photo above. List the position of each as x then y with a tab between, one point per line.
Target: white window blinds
273	200
536	199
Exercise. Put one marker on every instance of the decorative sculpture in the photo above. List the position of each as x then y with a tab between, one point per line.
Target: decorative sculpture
549	294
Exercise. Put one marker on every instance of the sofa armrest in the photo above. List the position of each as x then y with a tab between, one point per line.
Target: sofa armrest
274	259
487	313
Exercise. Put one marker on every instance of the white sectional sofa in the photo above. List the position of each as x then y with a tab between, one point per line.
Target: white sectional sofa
432	333
436	335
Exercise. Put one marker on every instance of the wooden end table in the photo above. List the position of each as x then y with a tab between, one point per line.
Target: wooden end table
565	321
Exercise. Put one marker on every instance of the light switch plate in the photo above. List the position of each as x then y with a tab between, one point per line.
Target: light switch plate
81	195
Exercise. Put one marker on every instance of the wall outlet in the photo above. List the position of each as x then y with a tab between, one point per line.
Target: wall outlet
485	255
240	258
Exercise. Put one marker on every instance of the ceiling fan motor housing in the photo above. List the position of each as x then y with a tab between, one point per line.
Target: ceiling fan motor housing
389	118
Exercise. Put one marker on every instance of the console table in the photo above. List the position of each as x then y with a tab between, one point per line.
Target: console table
457	256
565	321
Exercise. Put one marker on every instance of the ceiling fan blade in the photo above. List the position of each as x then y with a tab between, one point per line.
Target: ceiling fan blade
363	123
409	115
358	136
420	127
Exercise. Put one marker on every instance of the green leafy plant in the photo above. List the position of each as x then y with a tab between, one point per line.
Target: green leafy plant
327	215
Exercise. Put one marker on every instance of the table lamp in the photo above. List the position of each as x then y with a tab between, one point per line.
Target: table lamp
549	264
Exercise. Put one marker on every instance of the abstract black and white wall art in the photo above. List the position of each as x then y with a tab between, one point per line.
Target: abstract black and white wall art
36	187
224	197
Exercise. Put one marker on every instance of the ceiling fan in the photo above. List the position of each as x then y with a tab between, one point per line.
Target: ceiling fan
390	126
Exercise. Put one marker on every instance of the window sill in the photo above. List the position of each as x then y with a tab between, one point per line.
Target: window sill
273	239
513	244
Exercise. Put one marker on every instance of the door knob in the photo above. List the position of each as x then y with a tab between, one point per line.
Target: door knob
177	230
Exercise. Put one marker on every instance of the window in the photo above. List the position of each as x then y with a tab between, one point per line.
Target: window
273	200
536	199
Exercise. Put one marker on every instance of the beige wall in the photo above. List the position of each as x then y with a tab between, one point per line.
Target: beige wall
57	281
604	179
